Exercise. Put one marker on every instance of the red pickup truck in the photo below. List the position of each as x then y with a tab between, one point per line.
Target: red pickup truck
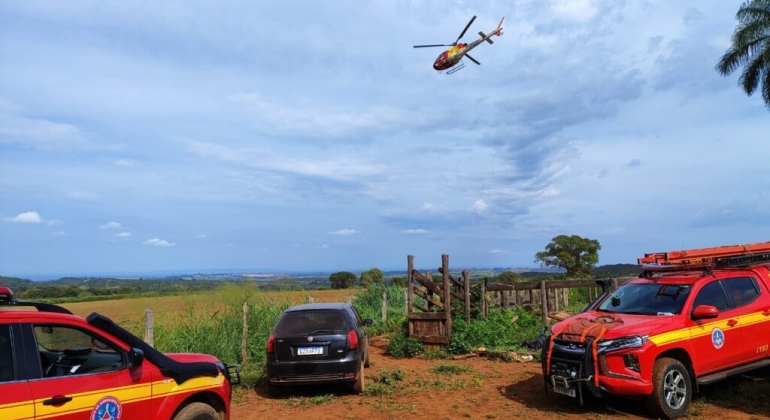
691	318
55	365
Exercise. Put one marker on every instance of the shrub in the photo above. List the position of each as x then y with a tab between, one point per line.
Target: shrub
401	346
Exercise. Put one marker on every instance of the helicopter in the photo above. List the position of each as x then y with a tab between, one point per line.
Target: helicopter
451	59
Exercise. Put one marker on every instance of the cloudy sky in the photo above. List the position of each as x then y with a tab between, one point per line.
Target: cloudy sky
302	135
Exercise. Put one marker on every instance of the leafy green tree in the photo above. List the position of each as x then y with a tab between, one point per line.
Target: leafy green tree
342	279
750	48
399	281
371	276
509	277
575	254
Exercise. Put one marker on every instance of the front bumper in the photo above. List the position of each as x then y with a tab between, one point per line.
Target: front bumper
574	369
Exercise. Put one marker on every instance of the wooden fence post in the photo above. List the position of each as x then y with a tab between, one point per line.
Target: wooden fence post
244	356
384	306
544	299
149	328
484	308
309	299
467	286
447	294
409	285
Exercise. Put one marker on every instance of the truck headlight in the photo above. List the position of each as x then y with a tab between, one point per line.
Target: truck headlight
631	342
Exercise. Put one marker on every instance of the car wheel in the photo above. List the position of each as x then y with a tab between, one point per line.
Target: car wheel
672	389
358	386
366	358
197	411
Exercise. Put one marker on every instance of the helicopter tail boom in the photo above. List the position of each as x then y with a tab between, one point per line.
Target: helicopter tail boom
498	31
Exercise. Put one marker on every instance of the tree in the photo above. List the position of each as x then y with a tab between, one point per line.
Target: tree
750	48
509	277
575	254
371	276
342	279
399	281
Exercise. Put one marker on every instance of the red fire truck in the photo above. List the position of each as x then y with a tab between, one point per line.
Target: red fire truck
691	318
55	365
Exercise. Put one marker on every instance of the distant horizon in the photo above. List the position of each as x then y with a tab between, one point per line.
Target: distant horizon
241	272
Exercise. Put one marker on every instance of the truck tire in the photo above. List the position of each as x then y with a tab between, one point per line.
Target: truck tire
274	390
671	389
358	386
197	411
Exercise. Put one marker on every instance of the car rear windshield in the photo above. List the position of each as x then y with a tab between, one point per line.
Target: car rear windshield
647	299
311	322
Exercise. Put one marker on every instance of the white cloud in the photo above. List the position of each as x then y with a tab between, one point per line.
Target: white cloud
122	235
574	10
59	233
27	217
323	246
344	232
110	225
160	242
125	163
498	251
414	232
480	206
200	236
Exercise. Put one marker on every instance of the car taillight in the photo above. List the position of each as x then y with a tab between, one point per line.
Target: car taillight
352	340
270	343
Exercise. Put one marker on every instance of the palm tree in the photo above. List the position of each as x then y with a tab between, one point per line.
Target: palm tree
751	48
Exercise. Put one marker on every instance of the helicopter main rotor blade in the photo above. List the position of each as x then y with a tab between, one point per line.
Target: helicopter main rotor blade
472	59
433	45
466	28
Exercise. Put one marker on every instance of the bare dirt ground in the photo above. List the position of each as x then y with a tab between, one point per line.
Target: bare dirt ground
490	389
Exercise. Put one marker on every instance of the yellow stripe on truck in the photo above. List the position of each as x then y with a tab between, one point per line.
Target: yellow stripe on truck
24	410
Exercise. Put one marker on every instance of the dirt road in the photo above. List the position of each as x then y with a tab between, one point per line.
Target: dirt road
427	389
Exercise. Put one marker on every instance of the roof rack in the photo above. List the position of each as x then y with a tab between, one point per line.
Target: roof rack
721	256
7	299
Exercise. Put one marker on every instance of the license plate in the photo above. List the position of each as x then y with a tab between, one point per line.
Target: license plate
564	391
309	351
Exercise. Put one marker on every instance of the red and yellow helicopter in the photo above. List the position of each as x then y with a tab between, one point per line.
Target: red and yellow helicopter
451	59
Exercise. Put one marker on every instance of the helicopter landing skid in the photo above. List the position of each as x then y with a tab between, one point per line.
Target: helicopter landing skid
457	67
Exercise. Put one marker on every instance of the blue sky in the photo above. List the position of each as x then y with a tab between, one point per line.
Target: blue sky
304	135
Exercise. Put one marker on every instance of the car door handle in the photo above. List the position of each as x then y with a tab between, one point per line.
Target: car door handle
57	400
732	323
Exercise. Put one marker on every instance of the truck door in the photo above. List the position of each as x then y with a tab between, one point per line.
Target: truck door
745	296
84	376
718	342
15	395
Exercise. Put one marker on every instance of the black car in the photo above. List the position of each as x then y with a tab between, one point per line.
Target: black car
319	343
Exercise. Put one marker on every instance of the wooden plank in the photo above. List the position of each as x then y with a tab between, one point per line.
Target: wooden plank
421	308
435	339
430	299
418	316
544	299
467	287
447	297
426	282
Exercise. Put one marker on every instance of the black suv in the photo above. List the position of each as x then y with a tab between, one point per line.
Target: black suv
318	343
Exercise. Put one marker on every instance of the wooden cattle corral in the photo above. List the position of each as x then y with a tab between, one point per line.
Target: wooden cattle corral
429	301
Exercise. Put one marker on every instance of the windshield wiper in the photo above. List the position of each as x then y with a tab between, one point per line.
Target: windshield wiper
324	331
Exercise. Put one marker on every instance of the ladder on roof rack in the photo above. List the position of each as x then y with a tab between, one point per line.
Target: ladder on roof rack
737	254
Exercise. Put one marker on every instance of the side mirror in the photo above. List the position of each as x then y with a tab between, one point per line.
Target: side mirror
368	321
135	358
705	312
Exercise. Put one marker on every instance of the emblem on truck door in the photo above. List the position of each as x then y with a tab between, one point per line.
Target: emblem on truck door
717	338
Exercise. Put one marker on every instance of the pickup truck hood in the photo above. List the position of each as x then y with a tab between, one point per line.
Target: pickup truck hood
625	325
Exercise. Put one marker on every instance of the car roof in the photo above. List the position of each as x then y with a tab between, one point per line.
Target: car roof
318	306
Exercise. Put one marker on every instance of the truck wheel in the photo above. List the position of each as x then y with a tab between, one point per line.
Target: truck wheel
671	389
197	411
358	386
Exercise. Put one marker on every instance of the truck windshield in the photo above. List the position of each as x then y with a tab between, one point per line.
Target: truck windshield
646	299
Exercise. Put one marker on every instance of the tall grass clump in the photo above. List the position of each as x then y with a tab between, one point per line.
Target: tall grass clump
217	329
369	305
502	330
